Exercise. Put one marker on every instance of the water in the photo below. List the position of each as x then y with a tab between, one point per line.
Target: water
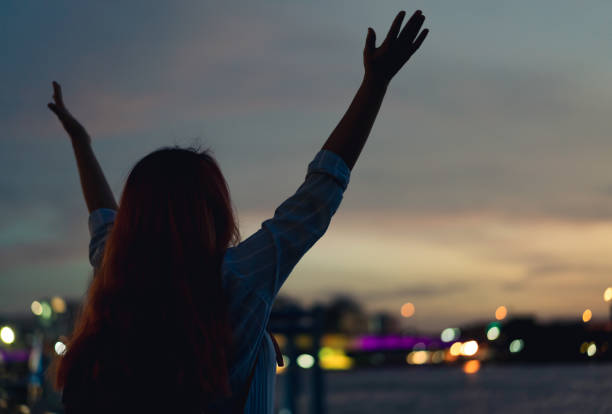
494	389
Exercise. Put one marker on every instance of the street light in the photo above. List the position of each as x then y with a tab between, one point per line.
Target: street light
7	335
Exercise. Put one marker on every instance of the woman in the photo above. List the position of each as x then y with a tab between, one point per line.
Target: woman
175	318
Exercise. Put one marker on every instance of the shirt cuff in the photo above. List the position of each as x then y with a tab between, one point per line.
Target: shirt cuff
100	218
327	162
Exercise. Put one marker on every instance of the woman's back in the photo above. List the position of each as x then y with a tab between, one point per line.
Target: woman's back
252	274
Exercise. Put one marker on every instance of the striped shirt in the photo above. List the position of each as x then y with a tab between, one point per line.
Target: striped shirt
254	270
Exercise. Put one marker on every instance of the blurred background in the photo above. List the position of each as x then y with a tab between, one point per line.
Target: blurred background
481	203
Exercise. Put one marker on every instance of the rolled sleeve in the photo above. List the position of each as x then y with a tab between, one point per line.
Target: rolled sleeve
330	163
100	223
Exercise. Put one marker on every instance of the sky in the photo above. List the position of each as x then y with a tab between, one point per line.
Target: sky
486	180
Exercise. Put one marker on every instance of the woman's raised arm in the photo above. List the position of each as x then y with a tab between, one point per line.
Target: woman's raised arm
96	190
381	64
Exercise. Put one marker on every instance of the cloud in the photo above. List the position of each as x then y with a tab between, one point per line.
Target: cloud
420	291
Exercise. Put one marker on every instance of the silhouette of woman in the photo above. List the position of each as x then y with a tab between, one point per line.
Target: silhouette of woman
175	317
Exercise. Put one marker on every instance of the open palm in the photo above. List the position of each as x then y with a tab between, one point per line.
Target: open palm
382	63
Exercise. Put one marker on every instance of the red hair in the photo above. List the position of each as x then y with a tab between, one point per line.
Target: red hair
156	317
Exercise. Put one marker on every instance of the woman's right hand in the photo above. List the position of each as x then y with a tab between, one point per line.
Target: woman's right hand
69	122
382	63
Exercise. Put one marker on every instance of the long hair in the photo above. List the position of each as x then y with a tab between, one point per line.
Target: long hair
155	319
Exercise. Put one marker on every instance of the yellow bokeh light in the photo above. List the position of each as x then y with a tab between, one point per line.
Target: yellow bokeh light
469	348
58	304
36	308
334	359
592	349
608	294
501	312
455	349
437	357
471	367
583	347
587	315
407	310
7	335
417	357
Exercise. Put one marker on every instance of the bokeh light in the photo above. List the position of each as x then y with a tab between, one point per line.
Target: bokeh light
493	333
450	334
437	357
305	361
516	346
417	357
501	312
583	347
455	349
587	315
7	335
469	348
471	366
36	308
58	304
60	348
407	310
592	349
334	359
46	310
608	294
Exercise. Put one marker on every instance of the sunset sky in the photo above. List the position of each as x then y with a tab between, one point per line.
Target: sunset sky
487	179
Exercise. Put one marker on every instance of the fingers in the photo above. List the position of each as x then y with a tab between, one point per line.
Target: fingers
412	27
57	94
53	108
370	41
395	27
419	40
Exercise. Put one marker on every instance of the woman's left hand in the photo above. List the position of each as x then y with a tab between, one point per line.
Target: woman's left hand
69	122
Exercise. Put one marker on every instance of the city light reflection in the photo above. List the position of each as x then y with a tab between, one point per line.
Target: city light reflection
471	367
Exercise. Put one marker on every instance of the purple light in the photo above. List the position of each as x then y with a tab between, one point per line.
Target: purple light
18	355
374	343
